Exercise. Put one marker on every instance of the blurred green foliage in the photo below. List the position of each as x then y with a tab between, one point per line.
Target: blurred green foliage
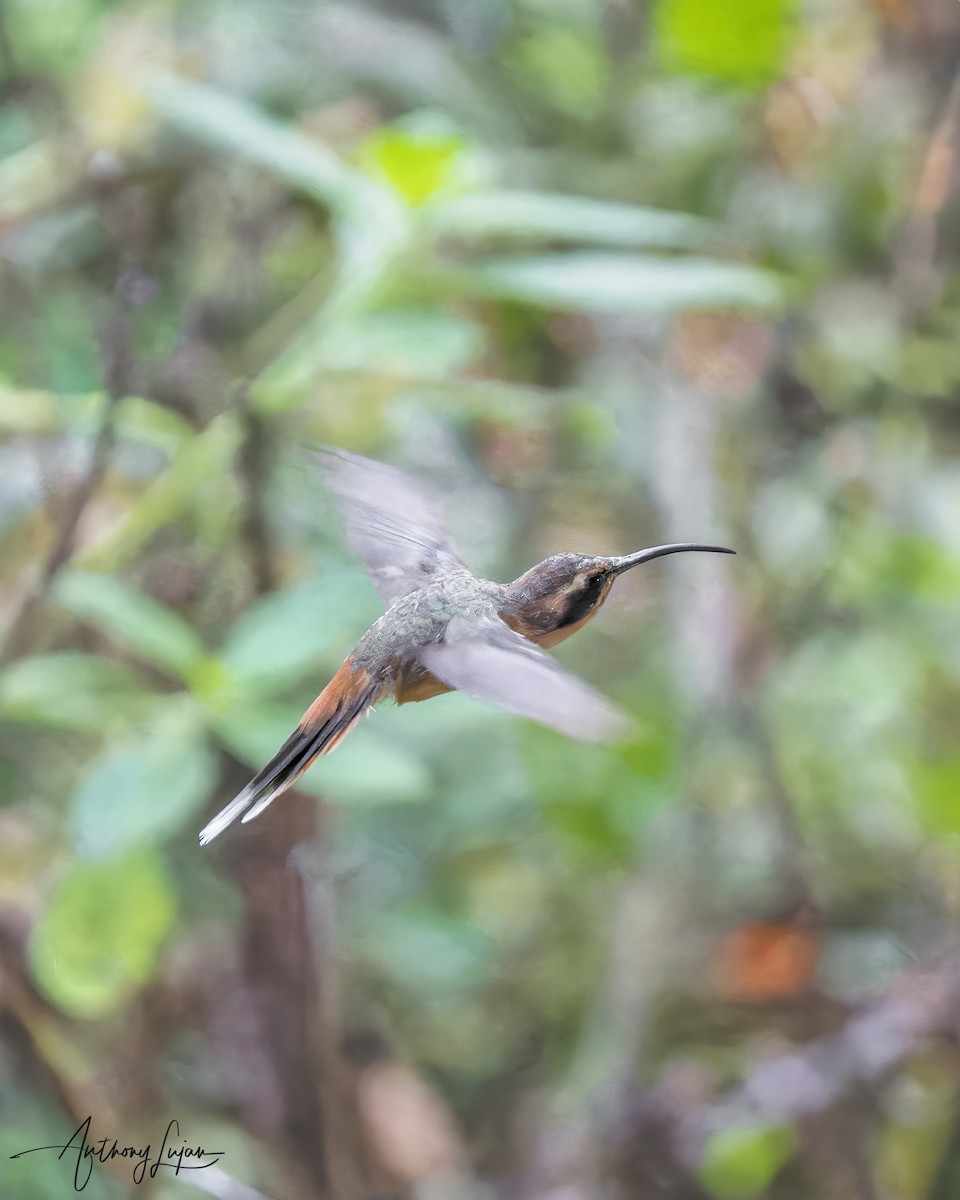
606	274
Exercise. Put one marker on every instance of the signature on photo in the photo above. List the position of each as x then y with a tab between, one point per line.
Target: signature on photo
82	1149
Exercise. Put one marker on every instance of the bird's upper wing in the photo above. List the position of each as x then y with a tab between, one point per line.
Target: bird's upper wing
390	523
489	661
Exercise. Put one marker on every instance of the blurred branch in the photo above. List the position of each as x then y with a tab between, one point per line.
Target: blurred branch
793	851
253	471
289	983
8	62
117	360
915	254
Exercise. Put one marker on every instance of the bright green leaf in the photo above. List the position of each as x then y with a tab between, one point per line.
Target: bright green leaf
743	43
130	617
101	933
937	789
740	1163
72	691
418	159
620	283
145	787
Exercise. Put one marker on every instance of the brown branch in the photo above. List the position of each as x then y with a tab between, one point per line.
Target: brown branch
8	62
117	360
253	472
915	255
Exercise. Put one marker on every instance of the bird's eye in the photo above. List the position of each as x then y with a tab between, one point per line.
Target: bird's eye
596	579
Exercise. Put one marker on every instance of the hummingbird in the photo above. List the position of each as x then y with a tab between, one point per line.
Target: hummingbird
445	629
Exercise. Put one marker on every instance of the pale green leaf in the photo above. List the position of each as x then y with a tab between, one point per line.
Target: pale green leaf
620	283
72	691
419	343
101	932
231	124
131	618
281	638
28	410
151	424
145	787
546	216
565	65
429	952
198	471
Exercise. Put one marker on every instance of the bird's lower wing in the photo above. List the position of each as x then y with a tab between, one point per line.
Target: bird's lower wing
490	662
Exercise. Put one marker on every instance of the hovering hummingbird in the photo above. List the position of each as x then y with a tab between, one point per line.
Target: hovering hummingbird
445	630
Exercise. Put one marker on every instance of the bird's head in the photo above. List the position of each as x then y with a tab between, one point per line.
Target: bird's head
565	590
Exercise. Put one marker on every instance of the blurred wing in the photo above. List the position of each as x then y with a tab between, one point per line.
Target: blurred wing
390	523
490	662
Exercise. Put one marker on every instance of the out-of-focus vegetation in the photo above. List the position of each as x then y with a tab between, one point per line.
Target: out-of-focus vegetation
613	274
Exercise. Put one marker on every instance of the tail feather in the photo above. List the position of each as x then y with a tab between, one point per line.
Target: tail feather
324	725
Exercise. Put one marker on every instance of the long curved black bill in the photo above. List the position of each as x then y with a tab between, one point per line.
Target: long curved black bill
642	556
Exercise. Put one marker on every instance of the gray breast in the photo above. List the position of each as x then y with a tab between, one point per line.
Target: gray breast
419	618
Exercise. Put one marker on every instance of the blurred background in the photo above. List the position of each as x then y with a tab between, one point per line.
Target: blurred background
604	274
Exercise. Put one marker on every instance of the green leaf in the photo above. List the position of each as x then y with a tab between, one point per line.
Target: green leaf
28	410
743	43
420	158
370	768
230	123
937	789
151	424
876	565
428	952
72	691
367	768
102	931
545	216
741	1163
420	343
568	66
280	638
620	283
126	614
144	788
197	480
